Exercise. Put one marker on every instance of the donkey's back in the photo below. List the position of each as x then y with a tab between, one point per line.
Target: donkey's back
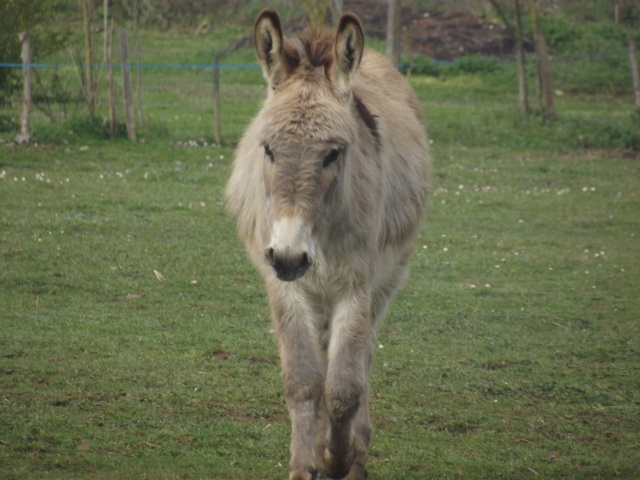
403	147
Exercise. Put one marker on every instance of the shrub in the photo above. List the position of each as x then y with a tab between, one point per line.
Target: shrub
473	64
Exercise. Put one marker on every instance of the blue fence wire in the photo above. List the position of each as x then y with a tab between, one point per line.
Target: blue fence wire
205	66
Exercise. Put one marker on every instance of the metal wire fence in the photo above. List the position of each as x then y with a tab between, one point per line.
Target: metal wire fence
177	98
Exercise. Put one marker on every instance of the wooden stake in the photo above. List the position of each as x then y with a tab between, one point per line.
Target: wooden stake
216	98
523	100
113	123
105	27
633	61
25	131
544	73
393	32
138	88
88	67
126	86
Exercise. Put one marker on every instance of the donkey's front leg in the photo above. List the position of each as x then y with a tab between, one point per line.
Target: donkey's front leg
302	377
346	381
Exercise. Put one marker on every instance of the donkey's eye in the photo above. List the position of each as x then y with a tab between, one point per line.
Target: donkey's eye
331	157
269	153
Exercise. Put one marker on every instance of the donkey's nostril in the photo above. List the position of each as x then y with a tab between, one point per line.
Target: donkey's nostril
271	257
305	263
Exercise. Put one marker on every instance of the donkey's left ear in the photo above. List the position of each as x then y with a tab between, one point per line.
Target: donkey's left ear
270	47
348	52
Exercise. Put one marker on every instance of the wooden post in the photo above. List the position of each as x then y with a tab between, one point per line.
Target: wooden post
523	100
633	61
338	9
542	59
216	98
113	123
543	83
534	26
616	13
105	27
138	88
88	67
25	131
126	86
393	32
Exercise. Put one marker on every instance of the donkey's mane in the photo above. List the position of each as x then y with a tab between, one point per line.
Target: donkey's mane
316	46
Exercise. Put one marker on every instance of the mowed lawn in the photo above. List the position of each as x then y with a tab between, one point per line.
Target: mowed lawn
135	340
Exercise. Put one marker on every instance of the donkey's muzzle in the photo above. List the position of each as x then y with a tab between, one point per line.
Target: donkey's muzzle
288	267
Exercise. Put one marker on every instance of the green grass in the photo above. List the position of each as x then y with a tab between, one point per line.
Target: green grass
515	340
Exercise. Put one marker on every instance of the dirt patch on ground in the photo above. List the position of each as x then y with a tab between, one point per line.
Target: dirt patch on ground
441	36
437	35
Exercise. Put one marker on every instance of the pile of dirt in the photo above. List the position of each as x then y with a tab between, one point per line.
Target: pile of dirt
441	36
451	35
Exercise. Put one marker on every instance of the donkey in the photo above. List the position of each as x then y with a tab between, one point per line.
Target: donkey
328	186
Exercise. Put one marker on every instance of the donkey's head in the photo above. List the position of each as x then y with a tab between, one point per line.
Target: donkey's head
308	123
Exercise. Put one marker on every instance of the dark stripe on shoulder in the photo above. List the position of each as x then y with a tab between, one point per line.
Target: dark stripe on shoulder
369	119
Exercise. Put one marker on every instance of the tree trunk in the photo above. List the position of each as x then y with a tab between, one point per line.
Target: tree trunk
88	58
25	131
126	86
544	73
523	100
393	31
633	61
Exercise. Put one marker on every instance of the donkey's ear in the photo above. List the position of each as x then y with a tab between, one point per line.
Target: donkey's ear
270	46
348	52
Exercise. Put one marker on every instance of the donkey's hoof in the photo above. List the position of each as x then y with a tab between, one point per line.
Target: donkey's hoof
302	474
357	472
338	466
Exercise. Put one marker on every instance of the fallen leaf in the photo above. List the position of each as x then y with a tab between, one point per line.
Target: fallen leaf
84	446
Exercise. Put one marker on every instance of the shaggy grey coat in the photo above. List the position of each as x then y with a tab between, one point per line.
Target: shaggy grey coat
329	184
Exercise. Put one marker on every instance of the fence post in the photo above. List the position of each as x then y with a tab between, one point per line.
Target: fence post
105	27
87	10
138	88
523	99
544	73
633	61
25	131
113	123
393	32
126	86
216	98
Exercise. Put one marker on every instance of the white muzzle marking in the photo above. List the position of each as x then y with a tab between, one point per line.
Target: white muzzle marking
291	250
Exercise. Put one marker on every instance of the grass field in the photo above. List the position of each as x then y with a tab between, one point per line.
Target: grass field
134	334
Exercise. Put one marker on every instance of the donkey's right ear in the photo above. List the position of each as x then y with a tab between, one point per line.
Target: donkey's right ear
270	47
